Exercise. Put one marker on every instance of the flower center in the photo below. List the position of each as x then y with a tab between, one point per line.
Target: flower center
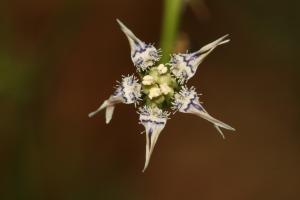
159	86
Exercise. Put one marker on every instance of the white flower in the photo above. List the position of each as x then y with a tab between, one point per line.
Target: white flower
163	87
162	69
154	92
148	80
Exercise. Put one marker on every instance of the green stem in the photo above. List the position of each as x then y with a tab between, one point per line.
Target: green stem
171	17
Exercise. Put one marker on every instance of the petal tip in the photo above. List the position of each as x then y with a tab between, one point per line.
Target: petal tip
144	169
232	129
119	22
90	115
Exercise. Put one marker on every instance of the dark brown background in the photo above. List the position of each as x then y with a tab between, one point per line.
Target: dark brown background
60	58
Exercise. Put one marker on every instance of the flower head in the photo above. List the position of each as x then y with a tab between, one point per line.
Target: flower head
160	87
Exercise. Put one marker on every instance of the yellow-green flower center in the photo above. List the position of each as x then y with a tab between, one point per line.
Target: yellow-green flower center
159	86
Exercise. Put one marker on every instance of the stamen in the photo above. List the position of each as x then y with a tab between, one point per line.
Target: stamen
148	80
154	92
162	69
165	89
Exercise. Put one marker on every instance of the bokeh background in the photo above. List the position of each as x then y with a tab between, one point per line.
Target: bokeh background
59	59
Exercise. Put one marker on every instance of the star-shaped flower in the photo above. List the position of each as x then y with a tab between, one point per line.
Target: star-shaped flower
160	87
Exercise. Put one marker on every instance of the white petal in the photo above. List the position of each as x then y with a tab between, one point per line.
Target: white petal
102	106
154	121
214	44
128	92
130	89
187	101
109	104
184	66
133	40
152	135
109	113
143	55
217	123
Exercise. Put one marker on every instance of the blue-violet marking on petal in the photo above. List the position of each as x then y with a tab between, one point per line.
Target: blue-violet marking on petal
187	101
143	55
184	66
128	92
154	121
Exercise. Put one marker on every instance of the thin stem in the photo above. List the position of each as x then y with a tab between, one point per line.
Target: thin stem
171	17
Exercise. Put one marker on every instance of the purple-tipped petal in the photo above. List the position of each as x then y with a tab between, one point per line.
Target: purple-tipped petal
154	121
143	55
129	89
184	66
128	92
187	101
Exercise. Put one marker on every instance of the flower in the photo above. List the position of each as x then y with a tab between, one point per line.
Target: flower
160	87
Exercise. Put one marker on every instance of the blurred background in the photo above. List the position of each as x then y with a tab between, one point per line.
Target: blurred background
59	59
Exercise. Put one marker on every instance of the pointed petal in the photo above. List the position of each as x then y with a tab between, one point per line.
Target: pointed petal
143	55
220	131
109	113
128	92
109	104
217	123
214	44
200	55
152	135
133	40
184	66
154	121
101	107
147	152
187	101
